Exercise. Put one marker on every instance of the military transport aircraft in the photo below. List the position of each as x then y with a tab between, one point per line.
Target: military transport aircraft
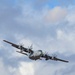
34	55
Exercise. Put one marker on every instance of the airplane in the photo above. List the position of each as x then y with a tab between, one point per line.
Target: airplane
34	55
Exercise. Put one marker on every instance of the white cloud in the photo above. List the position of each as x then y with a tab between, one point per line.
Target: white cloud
61	35
71	19
3	68
67	39
55	15
47	68
23	40
46	16
26	68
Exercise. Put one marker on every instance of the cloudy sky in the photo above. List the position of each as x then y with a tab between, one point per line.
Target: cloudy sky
47	24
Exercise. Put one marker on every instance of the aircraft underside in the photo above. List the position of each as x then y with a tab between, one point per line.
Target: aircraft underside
34	57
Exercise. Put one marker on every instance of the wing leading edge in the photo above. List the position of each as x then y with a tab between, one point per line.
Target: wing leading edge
19	47
47	57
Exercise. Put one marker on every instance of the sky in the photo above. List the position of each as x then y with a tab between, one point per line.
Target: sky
47	24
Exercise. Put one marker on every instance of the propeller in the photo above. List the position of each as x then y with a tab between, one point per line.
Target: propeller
54	55
21	44
30	47
46	55
21	47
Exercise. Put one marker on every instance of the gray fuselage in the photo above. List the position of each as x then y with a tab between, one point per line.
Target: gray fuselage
35	55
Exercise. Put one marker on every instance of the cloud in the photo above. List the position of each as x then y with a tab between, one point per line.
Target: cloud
55	15
66	41
71	16
49	29
26	68
3	68
47	68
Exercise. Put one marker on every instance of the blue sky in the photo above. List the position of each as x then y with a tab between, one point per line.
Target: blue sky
48	25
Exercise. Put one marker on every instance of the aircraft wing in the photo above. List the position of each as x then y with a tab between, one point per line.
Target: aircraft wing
19	47
53	58
57	59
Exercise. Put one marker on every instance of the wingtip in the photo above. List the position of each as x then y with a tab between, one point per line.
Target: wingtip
67	61
4	40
